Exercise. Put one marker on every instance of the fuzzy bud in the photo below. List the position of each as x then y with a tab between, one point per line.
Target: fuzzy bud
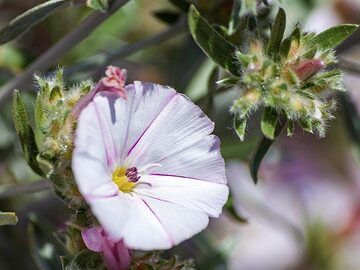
307	68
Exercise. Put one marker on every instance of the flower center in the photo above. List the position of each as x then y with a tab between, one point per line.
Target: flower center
125	179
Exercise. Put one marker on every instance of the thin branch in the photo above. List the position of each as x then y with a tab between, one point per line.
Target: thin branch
140	45
23	189
100	61
59	49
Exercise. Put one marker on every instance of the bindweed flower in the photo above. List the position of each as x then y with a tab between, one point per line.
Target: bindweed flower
148	166
115	255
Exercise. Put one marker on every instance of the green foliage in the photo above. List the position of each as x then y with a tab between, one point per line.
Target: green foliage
154	261
235	17
8	218
85	260
28	19
277	33
260	152
212	43
268	122
240	127
25	132
332	37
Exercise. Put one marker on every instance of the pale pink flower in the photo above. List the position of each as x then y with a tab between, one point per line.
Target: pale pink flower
114	81
115	254
148	166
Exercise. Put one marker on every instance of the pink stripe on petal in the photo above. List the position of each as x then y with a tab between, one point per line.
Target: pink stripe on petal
109	143
158	219
151	123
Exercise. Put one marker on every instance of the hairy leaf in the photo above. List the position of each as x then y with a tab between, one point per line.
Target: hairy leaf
261	150
8	218
277	33
235	17
333	36
25	21
268	122
212	43
240	127
25	132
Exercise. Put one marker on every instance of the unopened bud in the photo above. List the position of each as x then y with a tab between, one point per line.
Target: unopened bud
308	68
114	81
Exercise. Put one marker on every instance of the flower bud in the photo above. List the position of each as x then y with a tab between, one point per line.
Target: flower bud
307	68
114	81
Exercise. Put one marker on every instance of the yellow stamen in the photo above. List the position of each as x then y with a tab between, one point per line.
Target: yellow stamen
121	180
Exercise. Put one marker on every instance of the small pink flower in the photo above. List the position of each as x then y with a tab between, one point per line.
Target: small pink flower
307	68
115	254
113	82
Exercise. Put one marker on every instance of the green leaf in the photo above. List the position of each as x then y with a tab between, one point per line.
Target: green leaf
261	150
268	122
55	93
212	43
240	127
228	82
306	125
333	36
290	128
25	132
99	5
235	17
286	44
277	33
85	260
8	218
28	19
167	16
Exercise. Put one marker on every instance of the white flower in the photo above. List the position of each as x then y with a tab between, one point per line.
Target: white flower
148	166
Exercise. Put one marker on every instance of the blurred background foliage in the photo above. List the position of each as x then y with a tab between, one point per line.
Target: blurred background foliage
177	61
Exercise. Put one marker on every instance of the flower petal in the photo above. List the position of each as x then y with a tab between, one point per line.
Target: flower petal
178	222
150	99
93	239
187	193
200	160
180	125
90	174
